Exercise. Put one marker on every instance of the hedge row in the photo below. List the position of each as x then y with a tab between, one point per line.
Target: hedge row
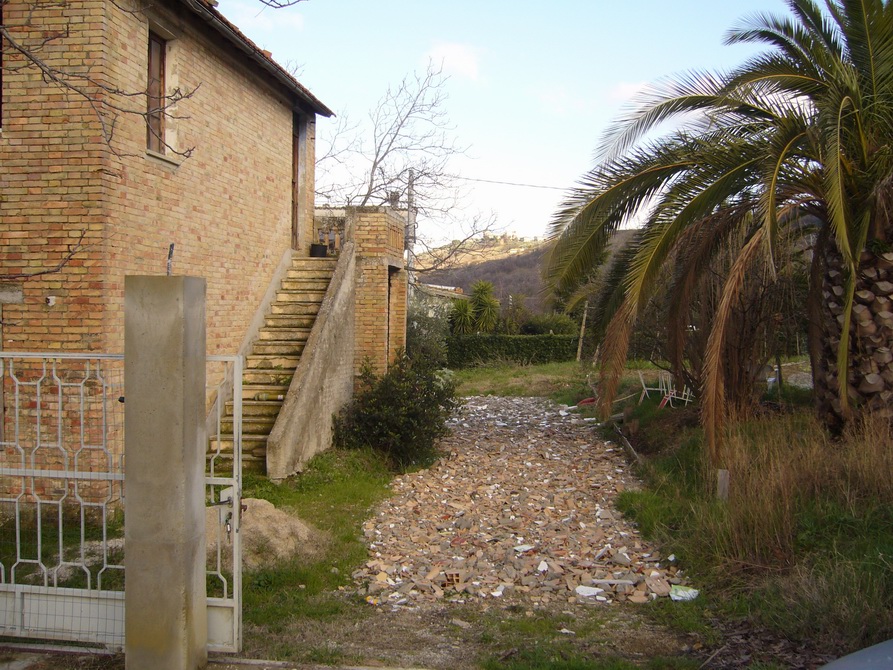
467	350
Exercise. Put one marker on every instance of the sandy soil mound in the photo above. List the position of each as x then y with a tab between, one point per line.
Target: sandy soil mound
269	535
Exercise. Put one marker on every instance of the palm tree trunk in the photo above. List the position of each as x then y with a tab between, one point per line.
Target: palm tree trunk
870	375
871	348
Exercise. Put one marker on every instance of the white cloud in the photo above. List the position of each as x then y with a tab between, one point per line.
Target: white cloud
459	60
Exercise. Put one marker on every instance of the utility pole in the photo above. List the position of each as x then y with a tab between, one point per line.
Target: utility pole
410	233
582	331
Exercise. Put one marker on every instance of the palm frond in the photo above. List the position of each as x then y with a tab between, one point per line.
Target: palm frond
713	403
613	355
695	247
687	93
780	147
612	294
699	197
796	41
607	198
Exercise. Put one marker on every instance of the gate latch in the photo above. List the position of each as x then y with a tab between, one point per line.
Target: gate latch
221	503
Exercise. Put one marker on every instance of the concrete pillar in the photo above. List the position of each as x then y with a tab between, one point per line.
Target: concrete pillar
164	444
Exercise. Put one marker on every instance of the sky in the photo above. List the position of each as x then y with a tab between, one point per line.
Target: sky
532	85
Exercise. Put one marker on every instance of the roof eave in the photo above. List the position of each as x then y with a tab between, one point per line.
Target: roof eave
236	37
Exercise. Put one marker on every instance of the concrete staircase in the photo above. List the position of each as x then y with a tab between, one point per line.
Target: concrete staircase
275	354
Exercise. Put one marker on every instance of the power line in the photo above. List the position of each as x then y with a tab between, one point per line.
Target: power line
509	183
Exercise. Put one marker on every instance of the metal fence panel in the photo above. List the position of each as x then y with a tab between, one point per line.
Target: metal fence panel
62	498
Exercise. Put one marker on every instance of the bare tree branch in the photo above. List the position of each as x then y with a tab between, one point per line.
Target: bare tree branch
408	138
66	259
279	4
456	251
341	144
24	46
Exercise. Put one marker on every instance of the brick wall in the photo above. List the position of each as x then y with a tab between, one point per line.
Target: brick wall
52	156
227	208
380	314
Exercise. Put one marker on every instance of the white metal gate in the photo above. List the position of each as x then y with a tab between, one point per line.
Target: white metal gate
62	494
224	485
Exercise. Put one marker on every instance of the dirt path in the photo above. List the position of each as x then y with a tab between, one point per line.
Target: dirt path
511	547
512	541
521	509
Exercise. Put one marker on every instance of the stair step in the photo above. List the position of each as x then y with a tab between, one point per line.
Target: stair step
285	295
283	307
274	356
304	284
256	408
287	347
309	273
289	320
223	465
254	425
224	459
272	362
267	377
251	442
266	392
302	262
285	334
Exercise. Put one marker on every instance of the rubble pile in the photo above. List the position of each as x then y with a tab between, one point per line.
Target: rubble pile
521	508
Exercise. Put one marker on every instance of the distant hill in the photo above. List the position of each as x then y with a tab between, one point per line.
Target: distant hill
512	265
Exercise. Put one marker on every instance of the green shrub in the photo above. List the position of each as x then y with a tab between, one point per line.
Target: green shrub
426	335
550	324
462	317
467	350
401	413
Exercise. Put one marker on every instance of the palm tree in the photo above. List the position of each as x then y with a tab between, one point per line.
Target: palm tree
461	317
485	306
796	141
479	313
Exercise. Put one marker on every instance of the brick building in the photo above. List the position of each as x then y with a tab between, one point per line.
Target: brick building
167	126
186	133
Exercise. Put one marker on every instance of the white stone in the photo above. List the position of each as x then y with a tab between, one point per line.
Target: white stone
588	591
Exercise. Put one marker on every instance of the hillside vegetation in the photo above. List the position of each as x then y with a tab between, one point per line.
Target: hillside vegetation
512	265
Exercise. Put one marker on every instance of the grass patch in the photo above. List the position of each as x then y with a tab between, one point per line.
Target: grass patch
564	382
521	639
693	617
56	537
805	542
333	494
560	658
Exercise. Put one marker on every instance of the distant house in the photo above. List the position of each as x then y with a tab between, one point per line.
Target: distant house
436	301
187	134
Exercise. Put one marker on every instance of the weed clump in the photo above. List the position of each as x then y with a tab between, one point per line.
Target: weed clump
401	413
805	539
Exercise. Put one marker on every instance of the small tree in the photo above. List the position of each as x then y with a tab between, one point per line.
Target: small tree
484	306
478	314
427	328
461	317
